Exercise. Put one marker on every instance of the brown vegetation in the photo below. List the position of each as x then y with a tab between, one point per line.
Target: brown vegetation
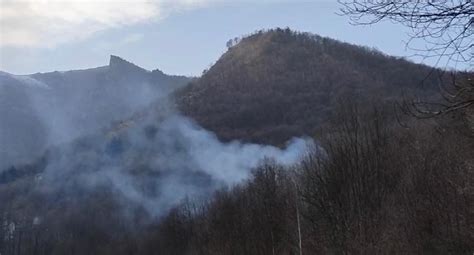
380	183
277	84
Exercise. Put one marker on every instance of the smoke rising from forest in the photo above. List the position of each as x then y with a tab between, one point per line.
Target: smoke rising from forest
153	159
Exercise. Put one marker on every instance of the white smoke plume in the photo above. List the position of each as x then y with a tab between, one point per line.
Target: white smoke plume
158	165
150	156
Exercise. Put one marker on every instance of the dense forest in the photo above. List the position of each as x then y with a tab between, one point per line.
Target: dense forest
276	84
377	180
376	189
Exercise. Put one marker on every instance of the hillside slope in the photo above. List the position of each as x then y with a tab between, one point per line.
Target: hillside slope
45	109
277	84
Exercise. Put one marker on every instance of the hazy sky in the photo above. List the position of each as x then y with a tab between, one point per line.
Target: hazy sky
176	36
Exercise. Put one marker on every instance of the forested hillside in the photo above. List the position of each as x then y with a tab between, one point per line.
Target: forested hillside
376	189
368	178
276	84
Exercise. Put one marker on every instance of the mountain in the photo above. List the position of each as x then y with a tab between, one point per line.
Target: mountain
276	84
44	109
124	172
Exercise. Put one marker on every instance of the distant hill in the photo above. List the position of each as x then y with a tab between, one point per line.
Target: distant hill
44	109
124	172
276	84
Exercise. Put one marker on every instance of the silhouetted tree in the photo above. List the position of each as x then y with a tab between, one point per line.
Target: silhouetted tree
445	26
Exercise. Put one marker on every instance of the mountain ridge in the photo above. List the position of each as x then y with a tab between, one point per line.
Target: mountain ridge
64	105
276	84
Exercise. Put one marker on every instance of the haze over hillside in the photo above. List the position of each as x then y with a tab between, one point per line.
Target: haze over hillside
113	137
46	109
288	144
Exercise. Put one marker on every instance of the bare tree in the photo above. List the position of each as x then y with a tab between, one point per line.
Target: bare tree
446	26
457	94
447	29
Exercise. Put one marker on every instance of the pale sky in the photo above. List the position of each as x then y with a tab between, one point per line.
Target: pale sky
175	36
